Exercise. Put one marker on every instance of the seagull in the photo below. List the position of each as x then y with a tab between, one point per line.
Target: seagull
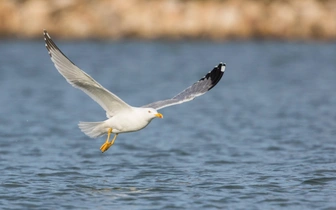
121	117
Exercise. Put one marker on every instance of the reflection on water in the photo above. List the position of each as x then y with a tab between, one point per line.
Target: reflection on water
262	138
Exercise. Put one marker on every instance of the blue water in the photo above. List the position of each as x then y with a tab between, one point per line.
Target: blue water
263	138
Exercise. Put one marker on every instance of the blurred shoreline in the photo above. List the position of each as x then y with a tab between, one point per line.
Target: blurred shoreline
170	19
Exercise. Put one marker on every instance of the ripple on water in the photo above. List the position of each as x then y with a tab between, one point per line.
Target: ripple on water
262	139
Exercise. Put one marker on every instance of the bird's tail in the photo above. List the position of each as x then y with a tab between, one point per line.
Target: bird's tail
92	129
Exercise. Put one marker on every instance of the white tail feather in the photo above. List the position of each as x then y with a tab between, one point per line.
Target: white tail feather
92	129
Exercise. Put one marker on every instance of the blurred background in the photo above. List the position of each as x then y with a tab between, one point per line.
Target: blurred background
170	19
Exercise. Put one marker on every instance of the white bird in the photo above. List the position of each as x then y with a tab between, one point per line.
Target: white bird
122	117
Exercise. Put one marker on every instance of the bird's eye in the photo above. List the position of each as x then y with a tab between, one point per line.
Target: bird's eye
149	111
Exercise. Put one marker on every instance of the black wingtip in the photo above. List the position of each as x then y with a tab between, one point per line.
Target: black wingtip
216	74
221	66
45	34
51	46
48	41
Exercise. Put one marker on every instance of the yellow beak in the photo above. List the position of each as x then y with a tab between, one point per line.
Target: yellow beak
159	115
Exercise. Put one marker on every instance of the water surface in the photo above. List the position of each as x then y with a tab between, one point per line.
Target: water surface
263	138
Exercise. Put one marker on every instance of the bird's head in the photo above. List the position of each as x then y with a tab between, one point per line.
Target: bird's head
152	113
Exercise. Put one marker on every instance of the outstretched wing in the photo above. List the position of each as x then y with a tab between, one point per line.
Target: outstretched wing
81	80
197	89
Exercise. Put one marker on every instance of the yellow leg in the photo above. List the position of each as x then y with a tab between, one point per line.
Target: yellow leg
114	138
108	144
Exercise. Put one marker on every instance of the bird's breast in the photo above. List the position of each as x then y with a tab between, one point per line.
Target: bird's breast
127	123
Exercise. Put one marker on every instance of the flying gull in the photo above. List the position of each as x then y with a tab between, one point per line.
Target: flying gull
122	117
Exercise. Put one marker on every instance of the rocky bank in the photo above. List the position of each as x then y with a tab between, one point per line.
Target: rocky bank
173	19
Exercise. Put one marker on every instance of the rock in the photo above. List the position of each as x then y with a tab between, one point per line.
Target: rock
173	19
